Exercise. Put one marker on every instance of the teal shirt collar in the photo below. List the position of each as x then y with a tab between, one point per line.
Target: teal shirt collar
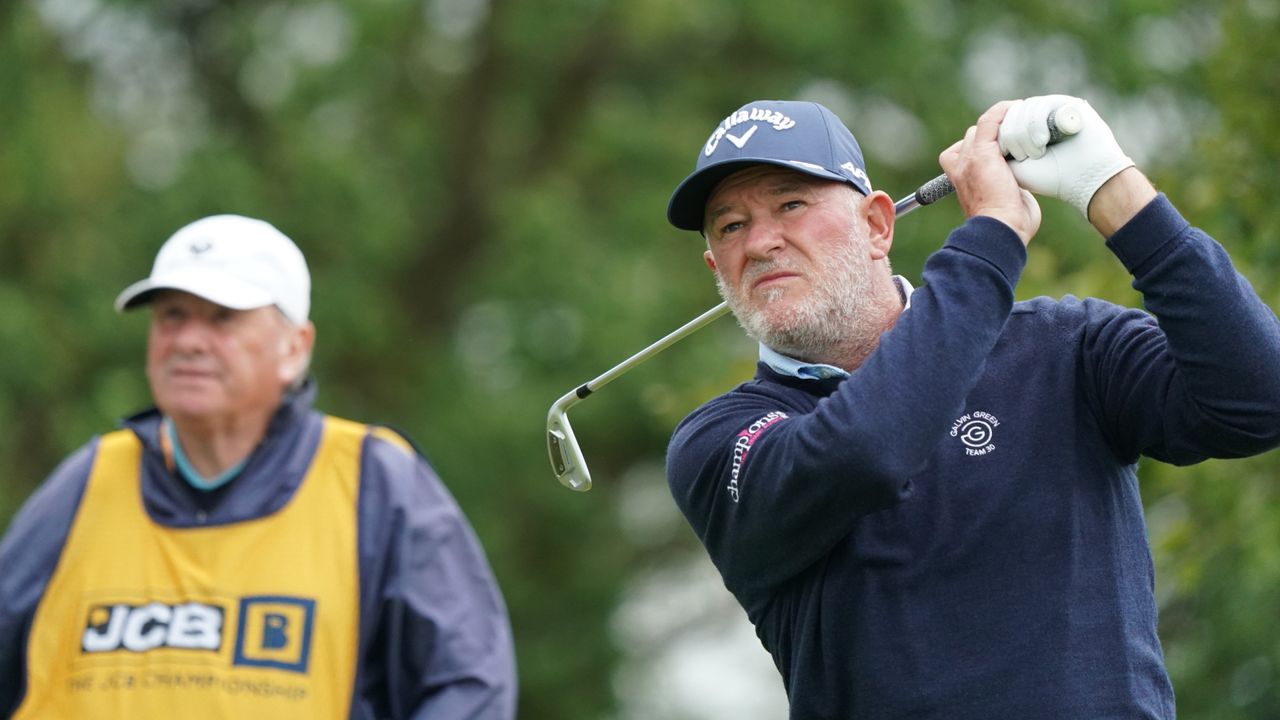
786	365
188	472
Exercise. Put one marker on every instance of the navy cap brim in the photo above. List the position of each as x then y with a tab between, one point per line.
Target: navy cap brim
688	206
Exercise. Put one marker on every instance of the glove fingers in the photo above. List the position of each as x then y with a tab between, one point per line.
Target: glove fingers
1041	175
1014	136
1025	130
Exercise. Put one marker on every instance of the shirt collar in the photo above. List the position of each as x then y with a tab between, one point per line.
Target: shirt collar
786	365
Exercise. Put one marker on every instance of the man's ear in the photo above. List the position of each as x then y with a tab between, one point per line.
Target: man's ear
878	210
295	351
711	261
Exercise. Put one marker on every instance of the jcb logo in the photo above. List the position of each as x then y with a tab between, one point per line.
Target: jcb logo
139	628
272	631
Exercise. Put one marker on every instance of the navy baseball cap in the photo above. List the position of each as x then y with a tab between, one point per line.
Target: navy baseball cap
803	136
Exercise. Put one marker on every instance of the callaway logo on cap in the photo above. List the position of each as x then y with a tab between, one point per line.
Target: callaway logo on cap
804	136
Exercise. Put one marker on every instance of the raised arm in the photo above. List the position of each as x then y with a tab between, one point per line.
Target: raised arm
1199	380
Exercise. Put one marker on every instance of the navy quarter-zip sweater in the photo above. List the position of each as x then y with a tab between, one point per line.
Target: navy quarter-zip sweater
955	530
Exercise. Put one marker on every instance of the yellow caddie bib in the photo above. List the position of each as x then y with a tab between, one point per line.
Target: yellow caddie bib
258	619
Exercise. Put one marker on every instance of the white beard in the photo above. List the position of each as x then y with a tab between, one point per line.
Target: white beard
839	321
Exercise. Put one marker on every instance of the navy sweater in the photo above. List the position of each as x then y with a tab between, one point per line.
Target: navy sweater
955	530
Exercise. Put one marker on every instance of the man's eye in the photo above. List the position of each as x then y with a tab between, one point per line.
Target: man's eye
792	204
730	227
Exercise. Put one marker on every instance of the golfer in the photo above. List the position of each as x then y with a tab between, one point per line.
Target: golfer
232	552
926	499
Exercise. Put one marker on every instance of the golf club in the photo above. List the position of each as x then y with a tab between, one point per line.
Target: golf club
566	455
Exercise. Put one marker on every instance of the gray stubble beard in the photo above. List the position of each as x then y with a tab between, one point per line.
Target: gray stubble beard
838	324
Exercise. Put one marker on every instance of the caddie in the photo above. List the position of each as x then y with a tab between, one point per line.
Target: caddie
233	552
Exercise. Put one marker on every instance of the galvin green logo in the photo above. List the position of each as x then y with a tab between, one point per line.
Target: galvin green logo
976	431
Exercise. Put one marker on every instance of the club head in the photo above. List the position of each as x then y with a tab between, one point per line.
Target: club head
566	457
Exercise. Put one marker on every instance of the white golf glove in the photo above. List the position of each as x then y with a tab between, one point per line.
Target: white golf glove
1072	169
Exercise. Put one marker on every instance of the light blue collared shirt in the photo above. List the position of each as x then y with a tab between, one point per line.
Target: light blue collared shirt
786	365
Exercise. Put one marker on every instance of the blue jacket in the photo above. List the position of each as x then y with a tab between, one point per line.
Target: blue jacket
423	653
955	530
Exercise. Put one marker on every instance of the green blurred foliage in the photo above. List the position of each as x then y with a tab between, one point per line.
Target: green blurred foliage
479	187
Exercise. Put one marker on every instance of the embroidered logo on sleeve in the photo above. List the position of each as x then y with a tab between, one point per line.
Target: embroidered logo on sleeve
742	445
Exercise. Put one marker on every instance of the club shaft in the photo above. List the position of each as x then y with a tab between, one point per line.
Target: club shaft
670	339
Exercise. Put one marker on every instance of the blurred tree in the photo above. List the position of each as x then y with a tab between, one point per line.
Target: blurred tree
479	186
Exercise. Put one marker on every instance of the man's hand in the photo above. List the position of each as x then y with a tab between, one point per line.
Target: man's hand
984	183
1072	169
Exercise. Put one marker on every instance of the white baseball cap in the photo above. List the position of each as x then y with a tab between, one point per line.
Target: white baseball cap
234	261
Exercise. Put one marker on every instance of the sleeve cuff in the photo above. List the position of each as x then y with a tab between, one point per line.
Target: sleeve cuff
991	240
1153	228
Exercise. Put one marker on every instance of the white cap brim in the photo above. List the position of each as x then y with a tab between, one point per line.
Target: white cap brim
217	288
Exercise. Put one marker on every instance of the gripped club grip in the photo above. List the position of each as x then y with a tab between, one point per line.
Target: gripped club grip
1063	122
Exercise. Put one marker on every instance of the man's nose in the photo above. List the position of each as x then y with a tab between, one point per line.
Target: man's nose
191	334
765	236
